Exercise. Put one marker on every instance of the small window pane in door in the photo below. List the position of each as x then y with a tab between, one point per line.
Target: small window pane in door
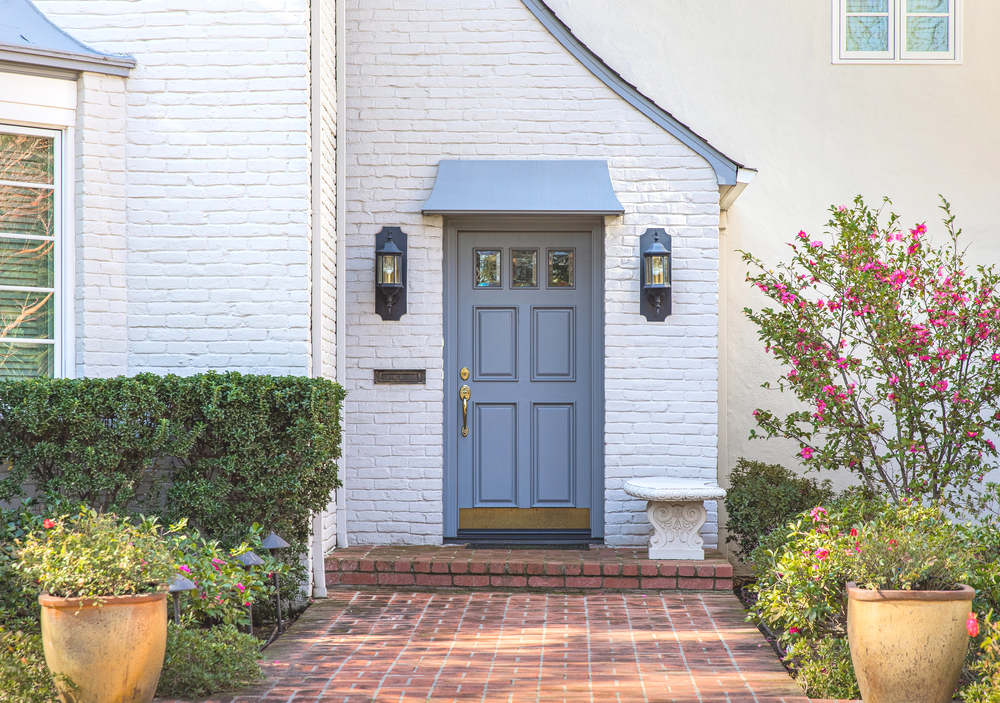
524	268
561	268
487	265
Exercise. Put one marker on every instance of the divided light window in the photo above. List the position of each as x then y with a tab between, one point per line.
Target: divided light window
896	31
29	248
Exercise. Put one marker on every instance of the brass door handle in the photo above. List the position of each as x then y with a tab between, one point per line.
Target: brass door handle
465	393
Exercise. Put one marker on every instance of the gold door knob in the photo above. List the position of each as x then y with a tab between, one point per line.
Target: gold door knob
465	393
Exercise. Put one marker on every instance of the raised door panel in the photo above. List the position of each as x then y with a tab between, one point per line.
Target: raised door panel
495	454
495	343
553	344
553	453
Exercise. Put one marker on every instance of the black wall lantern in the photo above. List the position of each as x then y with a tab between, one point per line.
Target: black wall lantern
654	303
390	273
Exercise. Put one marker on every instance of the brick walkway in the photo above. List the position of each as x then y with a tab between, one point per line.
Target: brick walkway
391	645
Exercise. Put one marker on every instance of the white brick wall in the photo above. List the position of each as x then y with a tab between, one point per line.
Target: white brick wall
216	255
426	81
101	298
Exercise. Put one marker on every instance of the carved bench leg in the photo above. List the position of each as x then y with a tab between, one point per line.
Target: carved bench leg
676	528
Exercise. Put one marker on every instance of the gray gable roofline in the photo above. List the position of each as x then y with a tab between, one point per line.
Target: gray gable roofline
728	171
29	38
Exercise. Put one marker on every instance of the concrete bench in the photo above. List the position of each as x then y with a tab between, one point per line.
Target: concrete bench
676	508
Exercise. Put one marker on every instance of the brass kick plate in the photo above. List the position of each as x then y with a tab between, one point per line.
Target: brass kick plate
524	518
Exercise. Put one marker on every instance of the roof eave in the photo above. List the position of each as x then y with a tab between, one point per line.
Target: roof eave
29	56
726	169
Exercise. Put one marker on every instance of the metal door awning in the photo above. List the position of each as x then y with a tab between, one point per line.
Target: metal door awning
523	187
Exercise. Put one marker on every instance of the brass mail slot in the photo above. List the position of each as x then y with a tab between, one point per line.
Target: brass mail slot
524	518
404	376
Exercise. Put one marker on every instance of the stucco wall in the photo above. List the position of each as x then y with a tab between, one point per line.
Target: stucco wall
216	193
425	83
756	79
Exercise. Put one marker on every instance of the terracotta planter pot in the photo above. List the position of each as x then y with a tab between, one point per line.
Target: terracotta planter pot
112	652
907	646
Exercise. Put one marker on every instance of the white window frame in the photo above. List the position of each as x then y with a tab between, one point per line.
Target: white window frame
64	359
897	53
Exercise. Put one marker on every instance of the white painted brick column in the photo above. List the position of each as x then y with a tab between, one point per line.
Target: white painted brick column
101	247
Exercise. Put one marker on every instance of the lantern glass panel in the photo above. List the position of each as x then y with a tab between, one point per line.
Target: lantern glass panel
390	269
657	271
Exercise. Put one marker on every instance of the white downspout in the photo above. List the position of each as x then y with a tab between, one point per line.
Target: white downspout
341	83
317	571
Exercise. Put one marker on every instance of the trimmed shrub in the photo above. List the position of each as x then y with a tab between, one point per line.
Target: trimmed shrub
89	439
264	452
201	662
234	449
763	497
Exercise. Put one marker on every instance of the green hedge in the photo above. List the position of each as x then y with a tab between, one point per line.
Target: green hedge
763	497
225	450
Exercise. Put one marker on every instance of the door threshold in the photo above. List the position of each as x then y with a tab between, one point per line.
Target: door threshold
524	539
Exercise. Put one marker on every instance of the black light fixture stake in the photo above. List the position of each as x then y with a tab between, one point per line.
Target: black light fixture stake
248	560
271	543
179	585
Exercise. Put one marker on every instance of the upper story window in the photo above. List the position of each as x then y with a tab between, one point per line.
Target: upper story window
896	31
30	252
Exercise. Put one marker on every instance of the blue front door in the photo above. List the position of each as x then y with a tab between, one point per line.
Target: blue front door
524	366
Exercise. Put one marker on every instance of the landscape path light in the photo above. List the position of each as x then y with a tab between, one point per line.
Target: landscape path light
179	585
272	543
249	560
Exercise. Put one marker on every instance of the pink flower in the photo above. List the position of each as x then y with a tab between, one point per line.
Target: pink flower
816	245
794	630
996	357
893	380
806	452
240	587
821	553
185	568
841	208
48	524
246	604
854	532
972	625
817	513
971	433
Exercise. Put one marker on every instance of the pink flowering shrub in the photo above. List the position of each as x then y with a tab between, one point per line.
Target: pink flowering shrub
892	344
225	587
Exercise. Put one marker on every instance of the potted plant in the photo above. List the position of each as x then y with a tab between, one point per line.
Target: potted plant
103	604
909	616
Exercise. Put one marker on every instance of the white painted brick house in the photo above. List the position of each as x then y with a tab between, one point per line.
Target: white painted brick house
223	170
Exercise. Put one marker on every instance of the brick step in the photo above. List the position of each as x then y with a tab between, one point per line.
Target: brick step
602	568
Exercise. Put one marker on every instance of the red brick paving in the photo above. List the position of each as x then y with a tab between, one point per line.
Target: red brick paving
394	645
459	567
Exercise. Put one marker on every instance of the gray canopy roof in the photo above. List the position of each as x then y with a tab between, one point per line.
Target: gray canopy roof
28	38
